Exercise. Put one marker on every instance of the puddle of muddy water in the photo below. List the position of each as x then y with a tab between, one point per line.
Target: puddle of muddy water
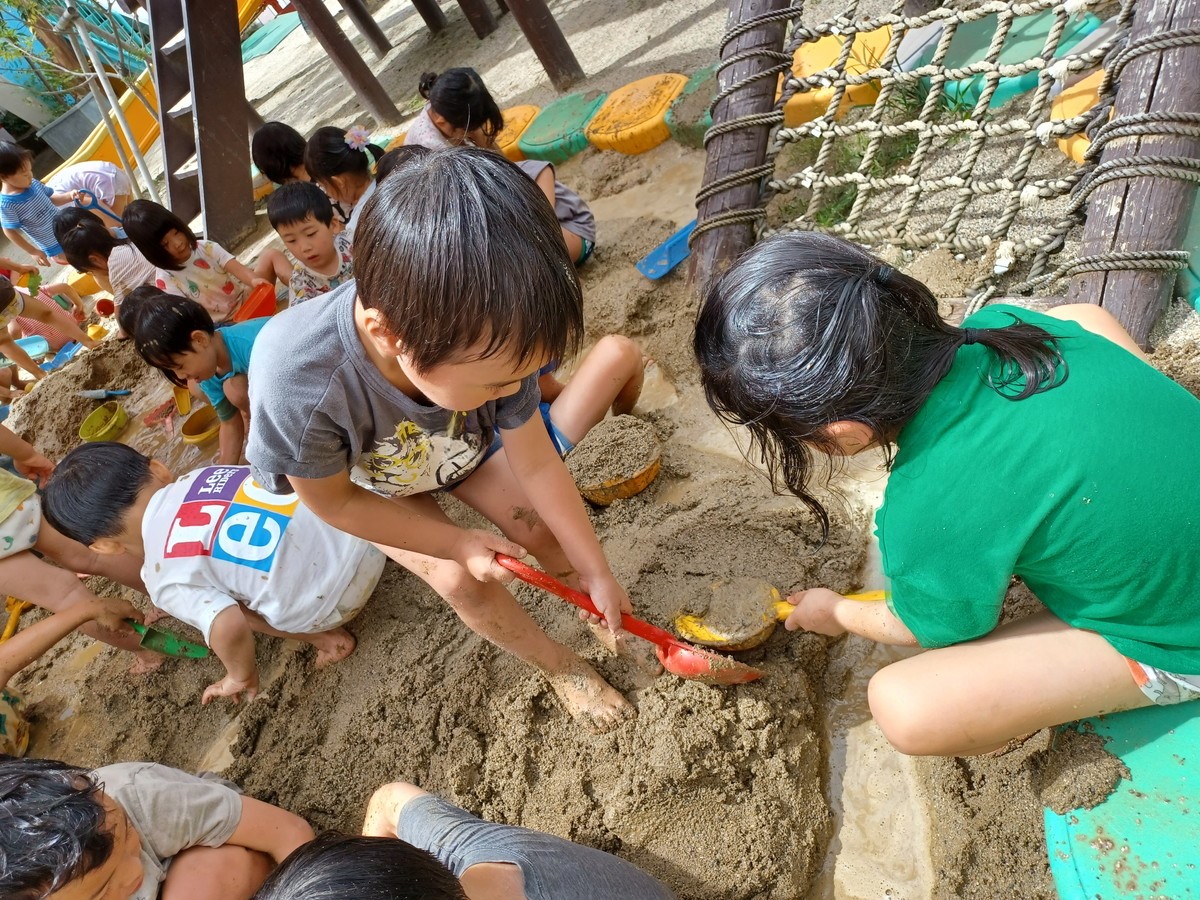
164	442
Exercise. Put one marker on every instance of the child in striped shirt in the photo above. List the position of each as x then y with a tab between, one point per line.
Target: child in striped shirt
28	207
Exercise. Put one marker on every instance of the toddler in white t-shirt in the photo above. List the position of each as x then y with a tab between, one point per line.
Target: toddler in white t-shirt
220	553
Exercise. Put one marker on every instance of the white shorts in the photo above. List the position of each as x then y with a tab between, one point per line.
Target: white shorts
19	532
357	592
1162	687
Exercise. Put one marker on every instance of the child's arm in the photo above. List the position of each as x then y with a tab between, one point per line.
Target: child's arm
545	480
232	640
12	350
358	511
269	829
18	237
29	643
13	266
828	612
27	460
230	440
243	274
62	198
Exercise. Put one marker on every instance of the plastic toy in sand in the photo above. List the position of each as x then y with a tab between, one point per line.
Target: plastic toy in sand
104	422
516	122
201	426
259	305
634	118
557	132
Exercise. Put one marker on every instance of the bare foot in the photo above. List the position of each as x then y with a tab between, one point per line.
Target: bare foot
153	614
640	653
332	646
590	699
146	661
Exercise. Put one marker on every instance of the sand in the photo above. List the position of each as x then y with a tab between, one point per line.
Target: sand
618	448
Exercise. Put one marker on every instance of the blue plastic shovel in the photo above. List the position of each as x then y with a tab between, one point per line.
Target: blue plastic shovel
667	255
87	200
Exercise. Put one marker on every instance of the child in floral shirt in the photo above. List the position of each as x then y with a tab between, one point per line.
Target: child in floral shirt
302	215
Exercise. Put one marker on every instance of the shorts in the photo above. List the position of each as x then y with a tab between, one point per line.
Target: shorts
19	532
14	309
1164	688
357	592
14	730
585	252
561	442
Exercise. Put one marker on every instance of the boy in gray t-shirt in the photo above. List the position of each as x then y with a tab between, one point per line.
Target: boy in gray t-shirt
129	830
421	376
445	853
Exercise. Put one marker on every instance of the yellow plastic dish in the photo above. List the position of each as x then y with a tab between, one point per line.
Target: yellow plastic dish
866	52
201	426
516	121
634	118
97	332
104	422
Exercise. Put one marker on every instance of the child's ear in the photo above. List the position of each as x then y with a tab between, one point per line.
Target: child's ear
160	471
380	335
200	340
107	546
337	226
97	261
851	437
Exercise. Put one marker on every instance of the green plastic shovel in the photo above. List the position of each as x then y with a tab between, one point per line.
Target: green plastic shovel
165	642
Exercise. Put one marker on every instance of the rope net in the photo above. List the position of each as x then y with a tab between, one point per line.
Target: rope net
915	142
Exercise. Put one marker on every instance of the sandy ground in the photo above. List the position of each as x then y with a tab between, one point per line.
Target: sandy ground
779	789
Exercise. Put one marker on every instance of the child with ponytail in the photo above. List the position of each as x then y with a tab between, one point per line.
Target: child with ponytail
1033	444
342	161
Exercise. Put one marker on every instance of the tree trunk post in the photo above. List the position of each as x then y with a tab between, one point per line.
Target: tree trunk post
743	149
479	14
367	26
1144	212
548	42
431	13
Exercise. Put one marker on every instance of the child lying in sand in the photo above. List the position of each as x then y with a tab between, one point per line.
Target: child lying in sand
220	553
419	845
134	831
1022	443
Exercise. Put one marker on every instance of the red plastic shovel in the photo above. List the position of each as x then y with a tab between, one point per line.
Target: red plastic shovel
676	657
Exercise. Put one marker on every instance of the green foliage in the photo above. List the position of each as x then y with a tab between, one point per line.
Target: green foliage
17	46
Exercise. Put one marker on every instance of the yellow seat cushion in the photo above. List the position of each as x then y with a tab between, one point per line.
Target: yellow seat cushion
516	120
634	118
866	53
83	282
1075	101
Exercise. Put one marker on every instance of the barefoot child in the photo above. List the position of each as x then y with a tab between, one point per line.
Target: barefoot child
28	207
302	216
421	376
203	271
1020	444
15	302
24	575
176	336
135	831
219	553
419	845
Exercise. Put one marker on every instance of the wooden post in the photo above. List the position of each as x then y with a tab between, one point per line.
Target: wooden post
737	151
362	80
435	19
219	119
1144	213
479	14
367	26
548	42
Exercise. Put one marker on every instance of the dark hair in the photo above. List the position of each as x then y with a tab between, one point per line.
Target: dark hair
92	489
13	158
461	98
147	223
807	329
391	160
52	827
458	247
327	154
349	867
8	293
277	149
162	325
296	201
80	233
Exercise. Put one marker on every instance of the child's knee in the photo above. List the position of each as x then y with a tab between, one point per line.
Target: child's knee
620	351
910	716
217	872
237	391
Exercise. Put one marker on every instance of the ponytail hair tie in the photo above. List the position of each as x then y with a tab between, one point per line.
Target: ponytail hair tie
357	137
970	336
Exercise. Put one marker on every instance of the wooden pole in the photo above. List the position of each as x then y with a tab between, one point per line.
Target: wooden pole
548	42
737	151
362	80
367	26
1144	212
435	19
479	14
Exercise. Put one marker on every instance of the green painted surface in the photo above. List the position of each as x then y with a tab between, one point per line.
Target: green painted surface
556	133
688	116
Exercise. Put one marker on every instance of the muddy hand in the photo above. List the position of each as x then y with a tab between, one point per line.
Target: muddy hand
232	688
110	614
610	598
476	552
815	611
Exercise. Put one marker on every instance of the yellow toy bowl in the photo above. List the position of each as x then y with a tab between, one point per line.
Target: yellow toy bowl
104	422
622	488
201	426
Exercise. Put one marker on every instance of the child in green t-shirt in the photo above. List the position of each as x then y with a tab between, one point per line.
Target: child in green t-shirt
1028	444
